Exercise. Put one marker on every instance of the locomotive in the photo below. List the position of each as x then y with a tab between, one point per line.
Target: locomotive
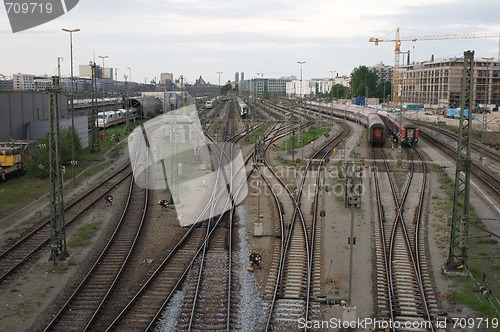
11	161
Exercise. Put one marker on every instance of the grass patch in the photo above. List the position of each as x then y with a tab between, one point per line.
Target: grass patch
17	190
482	252
306	138
467	294
26	188
57	268
261	131
83	236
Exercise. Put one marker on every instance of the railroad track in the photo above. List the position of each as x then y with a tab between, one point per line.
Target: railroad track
191	255
145	307
490	180
291	298
23	253
208	305
86	300
205	305
404	290
488	152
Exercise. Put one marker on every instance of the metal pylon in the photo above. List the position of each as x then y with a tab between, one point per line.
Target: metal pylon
57	230
460	216
95	129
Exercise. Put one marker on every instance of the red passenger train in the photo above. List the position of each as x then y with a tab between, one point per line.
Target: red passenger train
403	127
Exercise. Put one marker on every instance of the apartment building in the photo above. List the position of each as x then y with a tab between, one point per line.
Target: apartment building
438	83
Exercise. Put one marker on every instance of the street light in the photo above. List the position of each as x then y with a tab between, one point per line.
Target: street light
301	119
129	78
301	63
102	78
72	105
59	66
333	71
102	57
220	92
102	82
485	108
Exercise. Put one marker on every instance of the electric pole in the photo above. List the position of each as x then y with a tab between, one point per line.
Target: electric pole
460	216
95	129
58	251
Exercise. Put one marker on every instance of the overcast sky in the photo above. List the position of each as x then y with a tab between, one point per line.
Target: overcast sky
202	37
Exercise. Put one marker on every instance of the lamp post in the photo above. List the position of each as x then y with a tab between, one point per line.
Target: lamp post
128	97
332	71
331	119
102	79
220	92
73	162
301	63
485	114
115	80
102	82
59	66
301	119
129	74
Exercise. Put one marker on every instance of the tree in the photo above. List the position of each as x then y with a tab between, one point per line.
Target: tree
229	88
38	166
384	91
363	80
338	91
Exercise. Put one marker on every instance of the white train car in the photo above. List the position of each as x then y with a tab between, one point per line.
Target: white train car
112	118
209	104
242	107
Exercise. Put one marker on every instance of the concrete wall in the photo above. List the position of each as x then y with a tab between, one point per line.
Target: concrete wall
18	109
37	129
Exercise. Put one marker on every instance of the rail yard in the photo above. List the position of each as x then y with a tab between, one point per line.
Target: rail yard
286	216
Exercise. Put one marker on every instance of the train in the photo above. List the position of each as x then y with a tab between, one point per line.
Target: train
397	126
209	104
242	107
376	129
11	161
112	118
378	123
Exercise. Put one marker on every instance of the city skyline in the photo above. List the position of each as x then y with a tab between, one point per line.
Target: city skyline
193	38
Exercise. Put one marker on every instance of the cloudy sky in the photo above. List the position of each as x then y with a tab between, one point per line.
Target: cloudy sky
202	37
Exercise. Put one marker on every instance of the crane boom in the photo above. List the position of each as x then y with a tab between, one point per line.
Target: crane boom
397	51
436	37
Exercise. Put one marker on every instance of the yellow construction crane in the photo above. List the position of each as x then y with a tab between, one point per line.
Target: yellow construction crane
397	52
